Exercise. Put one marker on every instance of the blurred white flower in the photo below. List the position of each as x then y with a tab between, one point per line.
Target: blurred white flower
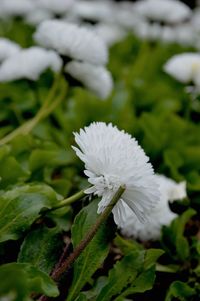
12	8
7	48
159	216
184	67
55	6
169	11
29	64
110	33
72	40
37	16
93	10
96	78
113	158
195	21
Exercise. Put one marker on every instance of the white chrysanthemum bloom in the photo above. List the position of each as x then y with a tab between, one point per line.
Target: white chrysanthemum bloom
55	6
29	64
169	11
71	40
7	48
37	16
110	33
96	78
12	8
125	15
159	216
93	10
184	67
113	158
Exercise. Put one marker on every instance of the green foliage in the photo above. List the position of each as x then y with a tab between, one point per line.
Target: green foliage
138	270
21	206
180	290
20	280
42	248
94	254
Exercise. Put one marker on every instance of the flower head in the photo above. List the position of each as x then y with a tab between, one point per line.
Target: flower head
96	78
113	158
184	67
168	11
71	40
159	216
12	8
56	7
29	64
7	48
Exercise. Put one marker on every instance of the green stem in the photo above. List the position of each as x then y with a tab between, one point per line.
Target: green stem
89	236
44	111
68	201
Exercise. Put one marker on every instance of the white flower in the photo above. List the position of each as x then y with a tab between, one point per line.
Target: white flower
110	33
37	16
113	158
7	48
72	40
159	216
96	78
29	64
169	11
92	10
12	8
184	67
55	6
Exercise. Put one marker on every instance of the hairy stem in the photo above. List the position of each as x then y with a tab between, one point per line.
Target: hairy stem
89	236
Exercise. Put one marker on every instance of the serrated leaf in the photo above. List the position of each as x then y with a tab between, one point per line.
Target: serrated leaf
122	275
94	254
42	249
138	270
20	280
179	290
21	206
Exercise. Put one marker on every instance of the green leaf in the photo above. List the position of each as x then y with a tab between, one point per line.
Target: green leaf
138	270
122	275
20	280
94	254
41	158
173	236
21	206
179	290
42	249
127	245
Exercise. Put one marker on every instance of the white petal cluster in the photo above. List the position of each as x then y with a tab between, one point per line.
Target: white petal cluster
184	67
7	48
93	10
96	78
12	8
29	64
113	158
73	41
169	11
55	6
159	216
110	33
37	16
